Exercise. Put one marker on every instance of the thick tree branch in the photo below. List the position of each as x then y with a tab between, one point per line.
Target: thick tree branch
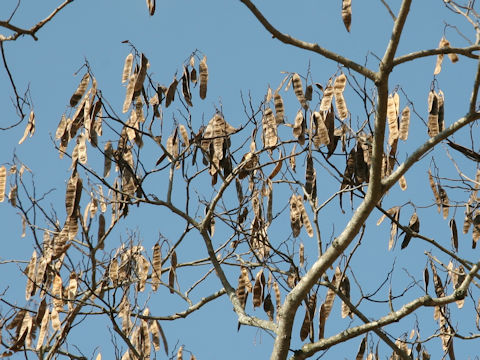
466	51
287	39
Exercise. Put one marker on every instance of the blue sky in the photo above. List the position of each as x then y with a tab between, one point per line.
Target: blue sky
242	58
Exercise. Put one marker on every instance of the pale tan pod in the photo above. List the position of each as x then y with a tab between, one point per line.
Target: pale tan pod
339	85
404	124
453	57
269	127
31	271
392	120
305	219
433	186
82	149
55	319
151	11
322	130
347	13
127	67
3	181
298	89
129	93
184	135
341	106
327	99
62	126
12	195
438	64
268	98
82	87
295	216
30	128
43	329
142	73
403	183
279	108
203	69
292	159
297	127
113	271
57	292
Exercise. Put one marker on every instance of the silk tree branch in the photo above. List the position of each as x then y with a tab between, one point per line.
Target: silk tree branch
290	40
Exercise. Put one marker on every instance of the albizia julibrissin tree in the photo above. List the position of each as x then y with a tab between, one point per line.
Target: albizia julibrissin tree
300	155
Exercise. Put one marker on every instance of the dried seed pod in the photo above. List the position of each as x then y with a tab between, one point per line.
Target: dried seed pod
57	292
30	272
127	68
268	306
338	88
55	319
279	109
444	200
82	87
113	272
129	93
184	135
170	96
345	290
298	89
347	13
309	92
3	181
301	255
441	111
258	289
404	123
454	233
307	325
101	231
292	161
295	216
403	183
327	99
298	126
321	129
392	120
361	349
62	126
151	11
187	95
30	128
309	175
43	329
304	216
203	68
278	166
108	153
414	225
269	127
140	78
433	186
433	127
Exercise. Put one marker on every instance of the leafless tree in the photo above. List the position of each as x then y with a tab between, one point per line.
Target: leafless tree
221	179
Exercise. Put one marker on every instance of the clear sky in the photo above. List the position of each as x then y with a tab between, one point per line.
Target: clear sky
242	59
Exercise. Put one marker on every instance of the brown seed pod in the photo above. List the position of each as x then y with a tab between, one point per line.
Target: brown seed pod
127	68
30	272
347	13
361	349
151	11
62	126
82	87
156	266
433	186
305	220
142	73
321	128
298	89
258	289
295	216
203	69
413	225
392	120
454	233
301	255
441	111
298	126
444	200
279	109
338	88
403	183
278	166
113	272
345	290
170	96
108	153
187	95
43	328
309	175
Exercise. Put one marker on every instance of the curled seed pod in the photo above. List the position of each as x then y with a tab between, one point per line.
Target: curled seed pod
305	219
203	68
298	89
279	109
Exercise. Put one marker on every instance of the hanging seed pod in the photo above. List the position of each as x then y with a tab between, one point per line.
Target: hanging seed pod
338	88
140	78
170	96
309	92
203	68
433	127
392	120
303	213
309	175
82	87
279	109
3	181
30	128
258	289
187	95
295	216
127	68
347	13
404	124
444	201
327	99
433	186
441	111
298	89
269	127
298	128
129	93
413	225
345	290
